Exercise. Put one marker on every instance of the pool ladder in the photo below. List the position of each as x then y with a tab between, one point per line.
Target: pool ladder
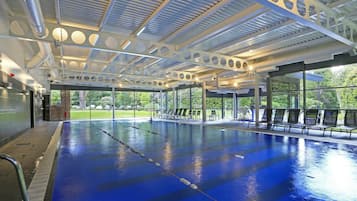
20	174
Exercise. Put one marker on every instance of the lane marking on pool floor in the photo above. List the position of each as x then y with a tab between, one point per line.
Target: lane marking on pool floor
150	160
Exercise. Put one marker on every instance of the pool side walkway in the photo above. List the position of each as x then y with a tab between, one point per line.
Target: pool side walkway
316	135
28	148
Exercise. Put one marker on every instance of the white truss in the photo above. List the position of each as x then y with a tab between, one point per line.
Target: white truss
313	14
76	66
111	42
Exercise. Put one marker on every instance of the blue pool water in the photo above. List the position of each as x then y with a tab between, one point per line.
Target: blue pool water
111	160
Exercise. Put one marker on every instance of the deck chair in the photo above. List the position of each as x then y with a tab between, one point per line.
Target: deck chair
311	116
329	122
293	120
198	113
174	114
193	116
278	117
184	113
166	114
213	115
263	120
179	113
245	115
189	114
350	122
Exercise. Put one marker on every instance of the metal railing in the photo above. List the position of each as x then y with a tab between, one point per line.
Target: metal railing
20	175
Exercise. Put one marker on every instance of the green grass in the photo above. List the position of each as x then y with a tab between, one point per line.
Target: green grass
107	114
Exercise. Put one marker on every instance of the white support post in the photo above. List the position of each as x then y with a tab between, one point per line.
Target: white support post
113	102
161	104
257	100
175	98
234	106
204	118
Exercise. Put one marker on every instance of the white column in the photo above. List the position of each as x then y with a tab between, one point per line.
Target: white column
113	102
204	102
175	98
161	104
234	106
257	99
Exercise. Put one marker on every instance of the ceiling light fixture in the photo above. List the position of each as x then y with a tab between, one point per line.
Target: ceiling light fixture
126	44
141	31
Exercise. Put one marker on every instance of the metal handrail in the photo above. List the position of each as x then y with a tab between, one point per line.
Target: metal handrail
20	174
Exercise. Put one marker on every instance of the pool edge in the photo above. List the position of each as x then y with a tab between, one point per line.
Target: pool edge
39	184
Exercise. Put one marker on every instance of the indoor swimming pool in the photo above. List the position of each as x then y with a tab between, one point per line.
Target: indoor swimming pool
127	160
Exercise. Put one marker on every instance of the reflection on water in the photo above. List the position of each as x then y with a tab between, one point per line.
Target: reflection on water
325	173
167	155
122	156
252	186
197	167
301	153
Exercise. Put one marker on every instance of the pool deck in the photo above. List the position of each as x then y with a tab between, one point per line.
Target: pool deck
28	149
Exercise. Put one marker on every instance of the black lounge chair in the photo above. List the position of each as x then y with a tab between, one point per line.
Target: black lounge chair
350	122
198	113
184	113
166	114
293	120
213	115
329	122
311	116
278	118
193	116
263	120
179	113
174	114
243	117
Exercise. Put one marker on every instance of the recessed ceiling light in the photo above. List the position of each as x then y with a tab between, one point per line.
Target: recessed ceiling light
126	44
141	31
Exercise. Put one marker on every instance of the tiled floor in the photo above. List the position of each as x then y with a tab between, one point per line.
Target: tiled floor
26	148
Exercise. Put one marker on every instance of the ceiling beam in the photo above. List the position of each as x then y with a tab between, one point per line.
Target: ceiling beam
225	25
230	22
231	46
195	21
324	22
142	26
110	43
236	43
103	21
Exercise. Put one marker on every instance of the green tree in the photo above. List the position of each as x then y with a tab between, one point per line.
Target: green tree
55	97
